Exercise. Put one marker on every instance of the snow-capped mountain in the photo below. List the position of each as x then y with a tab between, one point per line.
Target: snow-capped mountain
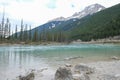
88	11
62	21
58	19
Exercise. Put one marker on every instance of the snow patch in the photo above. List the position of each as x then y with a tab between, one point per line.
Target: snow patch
74	19
53	25
92	6
99	9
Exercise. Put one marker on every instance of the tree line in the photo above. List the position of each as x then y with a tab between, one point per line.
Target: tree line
28	35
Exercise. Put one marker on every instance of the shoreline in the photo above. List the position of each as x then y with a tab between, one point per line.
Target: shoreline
35	43
98	42
103	70
63	43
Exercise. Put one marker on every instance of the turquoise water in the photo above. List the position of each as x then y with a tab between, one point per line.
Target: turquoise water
14	60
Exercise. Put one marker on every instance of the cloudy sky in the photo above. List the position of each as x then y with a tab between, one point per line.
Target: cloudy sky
37	12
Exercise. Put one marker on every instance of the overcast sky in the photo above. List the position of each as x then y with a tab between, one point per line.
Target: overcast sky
40	11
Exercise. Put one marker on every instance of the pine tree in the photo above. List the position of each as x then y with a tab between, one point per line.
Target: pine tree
16	34
0	32
35	36
25	33
21	32
12	37
30	34
6	29
9	30
3	20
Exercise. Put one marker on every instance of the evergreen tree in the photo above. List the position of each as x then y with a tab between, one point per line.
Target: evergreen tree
3	23
44	34
0	32
6	29
16	34
30	34
9	31
21	32
25	33
35	36
12	37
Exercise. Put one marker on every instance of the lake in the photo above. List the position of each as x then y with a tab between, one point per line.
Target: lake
17	59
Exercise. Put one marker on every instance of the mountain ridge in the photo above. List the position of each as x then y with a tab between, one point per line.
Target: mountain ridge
89	10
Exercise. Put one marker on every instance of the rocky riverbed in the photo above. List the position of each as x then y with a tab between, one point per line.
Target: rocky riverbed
104	70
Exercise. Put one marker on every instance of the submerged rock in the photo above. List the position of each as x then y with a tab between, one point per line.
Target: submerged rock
30	76
83	68
81	77
70	58
115	58
41	70
109	77
63	73
68	65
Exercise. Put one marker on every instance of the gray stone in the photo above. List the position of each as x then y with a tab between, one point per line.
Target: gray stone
117	76
115	58
68	65
63	73
83	68
70	58
30	76
81	77
108	77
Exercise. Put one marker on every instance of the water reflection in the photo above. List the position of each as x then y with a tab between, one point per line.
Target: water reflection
15	59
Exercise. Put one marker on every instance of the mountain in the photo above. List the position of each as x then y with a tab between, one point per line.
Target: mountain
61	20
88	11
102	24
58	19
65	24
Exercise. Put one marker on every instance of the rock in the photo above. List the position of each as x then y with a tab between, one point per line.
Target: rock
41	70
76	76
108	77
115	58
117	76
83	68
68	65
70	58
81	77
63	73
30	76
84	77
32	70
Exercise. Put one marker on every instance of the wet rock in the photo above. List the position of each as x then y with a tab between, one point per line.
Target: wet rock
83	68
117	75
76	76
68	65
81	77
70	58
41	70
63	73
30	76
109	77
115	58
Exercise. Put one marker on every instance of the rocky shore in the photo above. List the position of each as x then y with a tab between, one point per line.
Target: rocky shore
104	70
